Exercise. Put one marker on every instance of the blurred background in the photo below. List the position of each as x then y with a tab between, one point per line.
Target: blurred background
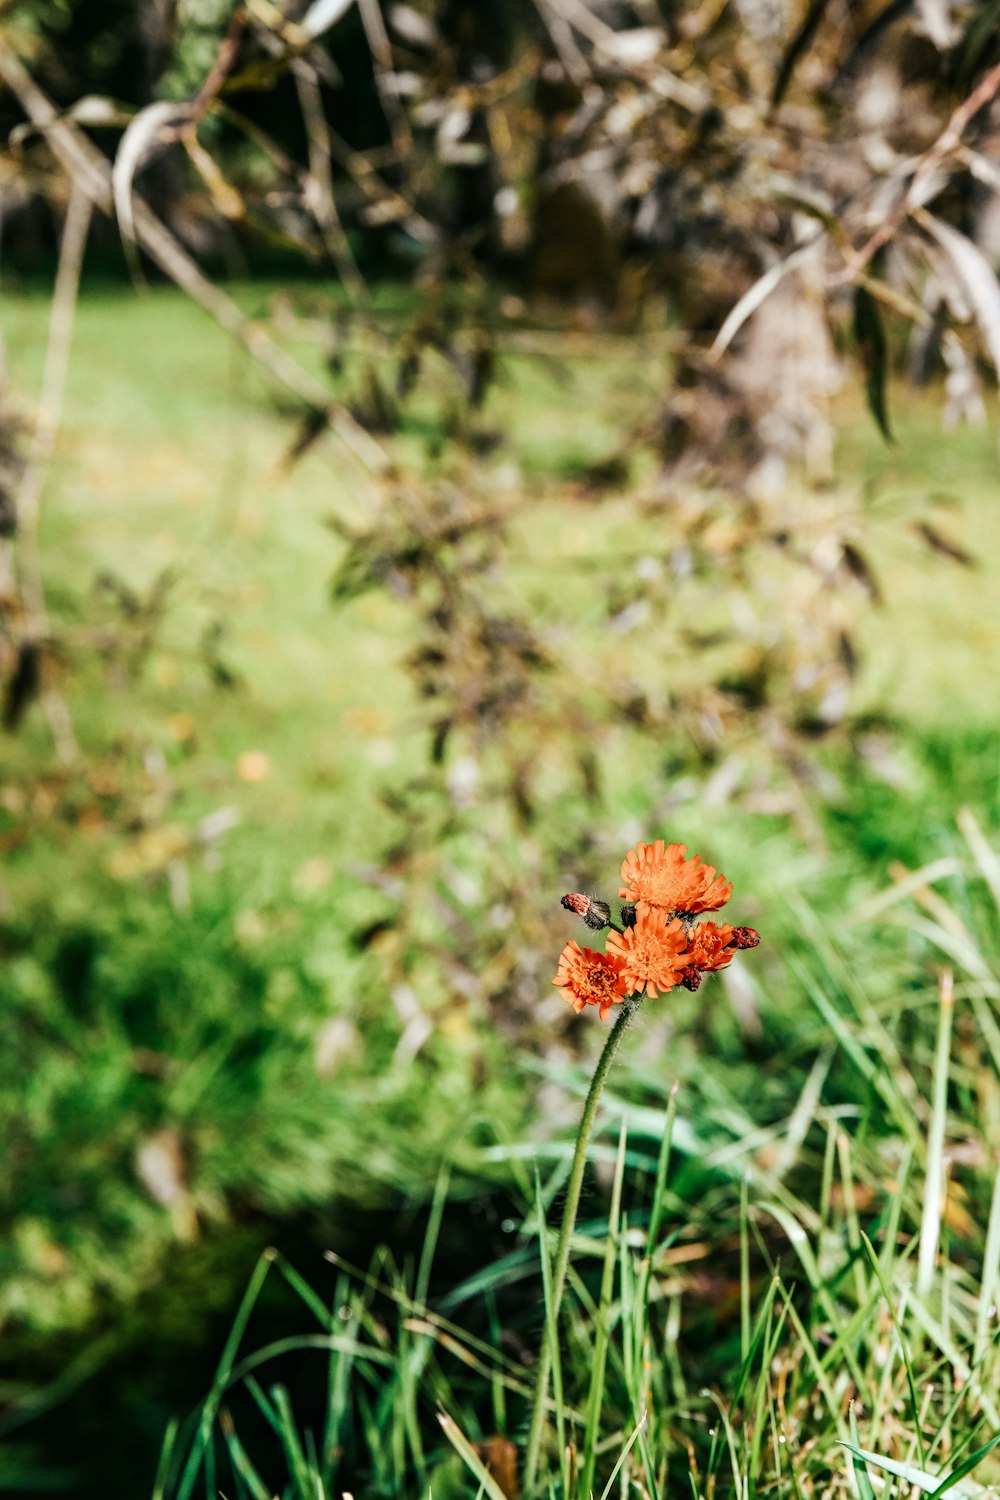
442	444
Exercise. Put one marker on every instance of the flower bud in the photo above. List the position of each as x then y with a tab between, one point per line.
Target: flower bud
744	937
628	913
690	978
596	914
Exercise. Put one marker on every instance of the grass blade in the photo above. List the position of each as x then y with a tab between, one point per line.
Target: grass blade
965	1468
903	1345
163	1467
203	1435
603	1324
623	1456
861	1479
930	1223
467	1453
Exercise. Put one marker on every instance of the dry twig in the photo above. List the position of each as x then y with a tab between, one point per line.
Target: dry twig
35	630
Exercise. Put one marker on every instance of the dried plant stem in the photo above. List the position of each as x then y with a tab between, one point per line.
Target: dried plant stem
570	1208
36	630
381	50
947	142
320	181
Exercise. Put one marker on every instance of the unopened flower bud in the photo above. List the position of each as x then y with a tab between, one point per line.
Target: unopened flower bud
744	937
596	914
628	913
690	978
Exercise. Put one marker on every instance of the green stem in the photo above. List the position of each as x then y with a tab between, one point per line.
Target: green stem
573	1189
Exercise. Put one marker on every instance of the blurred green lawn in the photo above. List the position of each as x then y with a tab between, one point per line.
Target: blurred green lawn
173	456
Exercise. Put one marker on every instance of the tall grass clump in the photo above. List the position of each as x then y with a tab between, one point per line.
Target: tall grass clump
792	1305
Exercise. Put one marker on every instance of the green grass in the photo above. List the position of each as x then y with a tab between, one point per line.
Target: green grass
291	1030
798	1308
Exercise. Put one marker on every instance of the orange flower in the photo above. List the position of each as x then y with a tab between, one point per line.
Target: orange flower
589	978
660	876
708	946
651	953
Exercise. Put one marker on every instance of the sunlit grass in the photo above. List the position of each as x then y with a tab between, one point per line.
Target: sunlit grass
803	1097
803	1308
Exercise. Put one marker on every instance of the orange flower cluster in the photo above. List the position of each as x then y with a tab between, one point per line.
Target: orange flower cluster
659	944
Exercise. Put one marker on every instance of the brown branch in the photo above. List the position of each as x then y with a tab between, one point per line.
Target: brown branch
319	183
948	141
36	631
222	67
363	169
382	63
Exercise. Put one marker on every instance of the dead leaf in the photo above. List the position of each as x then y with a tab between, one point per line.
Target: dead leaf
499	1455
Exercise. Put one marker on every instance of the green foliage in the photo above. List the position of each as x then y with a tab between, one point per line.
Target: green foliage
318	1004
161	1072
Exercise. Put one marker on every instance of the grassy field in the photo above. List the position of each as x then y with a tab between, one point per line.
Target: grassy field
206	1043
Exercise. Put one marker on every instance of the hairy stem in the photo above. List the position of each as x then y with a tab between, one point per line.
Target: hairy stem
570	1208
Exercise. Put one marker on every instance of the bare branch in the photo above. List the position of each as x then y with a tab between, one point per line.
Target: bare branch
381	50
947	142
319	184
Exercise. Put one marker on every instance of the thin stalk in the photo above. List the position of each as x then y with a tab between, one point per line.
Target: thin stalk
934	1190
745	1318
572	1204
991	1276
602	1326
36	632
